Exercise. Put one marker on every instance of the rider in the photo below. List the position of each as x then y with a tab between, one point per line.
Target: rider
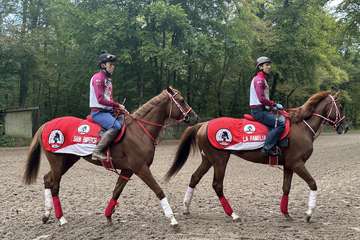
102	104
261	106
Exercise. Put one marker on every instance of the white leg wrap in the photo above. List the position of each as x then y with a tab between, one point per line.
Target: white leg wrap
48	201
187	199
166	207
188	195
312	202
62	220
173	221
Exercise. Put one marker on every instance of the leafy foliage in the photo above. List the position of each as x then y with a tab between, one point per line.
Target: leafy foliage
206	49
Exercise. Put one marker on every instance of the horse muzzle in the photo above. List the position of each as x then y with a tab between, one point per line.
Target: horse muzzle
191	118
342	128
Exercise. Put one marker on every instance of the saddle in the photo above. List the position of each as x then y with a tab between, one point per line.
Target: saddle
73	135
246	133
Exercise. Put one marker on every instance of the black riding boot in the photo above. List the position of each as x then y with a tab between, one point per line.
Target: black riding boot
105	141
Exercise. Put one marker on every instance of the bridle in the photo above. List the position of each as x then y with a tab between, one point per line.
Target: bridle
185	113
335	123
142	122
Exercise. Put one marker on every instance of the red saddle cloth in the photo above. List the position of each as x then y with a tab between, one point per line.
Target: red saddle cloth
72	135
239	134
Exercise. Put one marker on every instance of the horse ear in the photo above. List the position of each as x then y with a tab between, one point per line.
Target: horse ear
336	95
170	90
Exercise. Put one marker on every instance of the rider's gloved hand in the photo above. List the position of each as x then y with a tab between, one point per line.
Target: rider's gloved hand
278	106
121	108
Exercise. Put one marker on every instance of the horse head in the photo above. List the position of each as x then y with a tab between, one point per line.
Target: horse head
178	108
334	114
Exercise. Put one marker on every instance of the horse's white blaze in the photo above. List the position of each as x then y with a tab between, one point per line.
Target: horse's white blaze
312	202
48	202
62	220
166	207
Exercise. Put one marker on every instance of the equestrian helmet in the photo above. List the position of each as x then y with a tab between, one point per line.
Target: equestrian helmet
262	60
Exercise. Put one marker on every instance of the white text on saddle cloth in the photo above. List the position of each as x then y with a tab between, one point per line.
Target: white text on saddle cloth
254	138
85	139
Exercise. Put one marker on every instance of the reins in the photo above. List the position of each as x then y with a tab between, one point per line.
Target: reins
142	122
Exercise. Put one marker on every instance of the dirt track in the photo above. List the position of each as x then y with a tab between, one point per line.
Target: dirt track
253	190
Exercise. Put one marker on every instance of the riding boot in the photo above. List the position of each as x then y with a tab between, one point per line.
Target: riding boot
272	138
105	141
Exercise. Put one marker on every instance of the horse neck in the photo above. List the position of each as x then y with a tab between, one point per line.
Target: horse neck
314	121
156	114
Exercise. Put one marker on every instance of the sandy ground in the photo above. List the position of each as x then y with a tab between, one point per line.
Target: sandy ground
253	190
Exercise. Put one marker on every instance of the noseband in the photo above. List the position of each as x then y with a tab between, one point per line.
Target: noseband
184	112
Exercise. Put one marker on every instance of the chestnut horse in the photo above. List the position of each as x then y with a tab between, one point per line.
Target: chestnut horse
306	122
134	154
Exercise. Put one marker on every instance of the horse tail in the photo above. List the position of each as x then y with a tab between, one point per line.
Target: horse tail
188	141
33	159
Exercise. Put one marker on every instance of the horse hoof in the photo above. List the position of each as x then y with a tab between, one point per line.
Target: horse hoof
173	222
62	221
235	217
186	213
308	217
288	217
45	219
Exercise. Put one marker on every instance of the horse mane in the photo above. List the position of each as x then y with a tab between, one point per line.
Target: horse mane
306	110
149	105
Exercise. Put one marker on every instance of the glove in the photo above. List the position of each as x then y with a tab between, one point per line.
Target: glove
121	109
279	106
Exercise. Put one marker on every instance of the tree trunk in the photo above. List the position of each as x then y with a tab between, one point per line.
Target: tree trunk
24	76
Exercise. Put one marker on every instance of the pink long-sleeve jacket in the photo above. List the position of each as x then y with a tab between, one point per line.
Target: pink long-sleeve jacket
101	92
259	91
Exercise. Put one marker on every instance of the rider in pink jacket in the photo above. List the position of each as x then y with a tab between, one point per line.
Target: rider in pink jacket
102	104
261	106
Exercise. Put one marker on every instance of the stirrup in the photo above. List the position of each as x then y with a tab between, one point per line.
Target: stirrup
275	151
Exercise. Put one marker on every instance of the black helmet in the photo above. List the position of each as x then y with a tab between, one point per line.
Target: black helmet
262	60
105	57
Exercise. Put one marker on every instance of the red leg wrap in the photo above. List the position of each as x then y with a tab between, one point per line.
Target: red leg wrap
57	207
109	209
227	208
284	204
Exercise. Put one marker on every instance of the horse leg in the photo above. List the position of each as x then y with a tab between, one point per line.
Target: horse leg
305	175
147	177
288	173
59	165
219	173
195	179
120	185
48	206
